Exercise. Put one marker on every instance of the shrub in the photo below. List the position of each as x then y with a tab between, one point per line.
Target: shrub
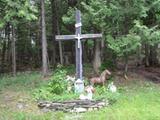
58	83
56	86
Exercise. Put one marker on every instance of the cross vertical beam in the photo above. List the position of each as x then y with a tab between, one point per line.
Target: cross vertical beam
78	46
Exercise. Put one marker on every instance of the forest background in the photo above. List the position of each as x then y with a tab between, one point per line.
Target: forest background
130	30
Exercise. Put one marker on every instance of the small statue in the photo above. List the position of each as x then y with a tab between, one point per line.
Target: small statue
89	90
112	88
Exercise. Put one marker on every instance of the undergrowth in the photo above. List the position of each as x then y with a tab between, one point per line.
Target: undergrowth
136	100
56	89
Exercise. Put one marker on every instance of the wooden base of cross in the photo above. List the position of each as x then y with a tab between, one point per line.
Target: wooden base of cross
79	84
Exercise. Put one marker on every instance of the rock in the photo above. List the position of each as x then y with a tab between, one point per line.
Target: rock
48	105
79	110
21	105
45	110
82	97
90	109
101	104
100	107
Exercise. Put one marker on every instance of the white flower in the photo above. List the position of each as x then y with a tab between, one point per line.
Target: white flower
70	78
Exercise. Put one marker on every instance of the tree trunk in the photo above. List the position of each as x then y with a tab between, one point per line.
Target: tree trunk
60	45
153	61
44	41
13	49
9	48
38	59
103	48
3	56
158	54
146	55
97	56
4	49
60	52
138	54
126	65
54	30
85	49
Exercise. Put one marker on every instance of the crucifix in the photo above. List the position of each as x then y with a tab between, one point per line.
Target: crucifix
79	84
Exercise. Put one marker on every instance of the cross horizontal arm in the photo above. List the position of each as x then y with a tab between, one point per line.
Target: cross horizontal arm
65	37
88	36
74	37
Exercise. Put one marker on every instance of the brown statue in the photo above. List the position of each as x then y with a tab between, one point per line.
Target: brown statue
101	79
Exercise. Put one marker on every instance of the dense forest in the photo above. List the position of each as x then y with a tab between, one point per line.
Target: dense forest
130	28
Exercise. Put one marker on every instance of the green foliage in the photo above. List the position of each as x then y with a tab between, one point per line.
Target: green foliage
148	35
69	18
125	44
90	43
103	93
58	83
44	93
108	64
95	13
16	10
70	69
56	86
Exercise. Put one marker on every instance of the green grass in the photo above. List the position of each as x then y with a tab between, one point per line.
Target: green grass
137	104
24	81
137	100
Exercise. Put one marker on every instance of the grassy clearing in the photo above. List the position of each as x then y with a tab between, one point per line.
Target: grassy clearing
23	81
137	100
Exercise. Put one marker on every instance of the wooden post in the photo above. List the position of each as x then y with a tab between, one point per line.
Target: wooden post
78	46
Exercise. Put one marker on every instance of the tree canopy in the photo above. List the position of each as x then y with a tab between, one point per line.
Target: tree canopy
129	27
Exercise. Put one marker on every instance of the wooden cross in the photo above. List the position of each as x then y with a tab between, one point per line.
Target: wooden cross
78	37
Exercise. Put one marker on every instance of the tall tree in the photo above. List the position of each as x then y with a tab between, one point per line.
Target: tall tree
55	5
97	56
54	29
44	41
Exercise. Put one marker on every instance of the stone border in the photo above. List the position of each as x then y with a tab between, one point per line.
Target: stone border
74	106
